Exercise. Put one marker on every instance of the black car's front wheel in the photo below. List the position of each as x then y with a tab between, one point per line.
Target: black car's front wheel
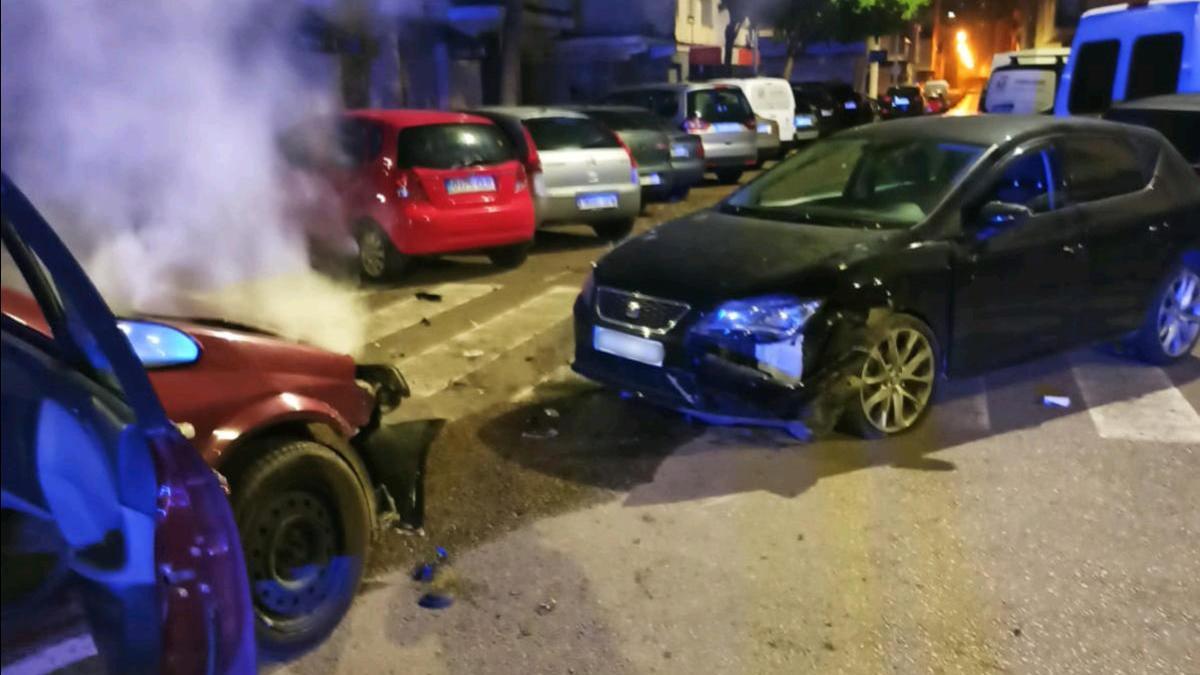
614	230
1172	324
305	525
895	378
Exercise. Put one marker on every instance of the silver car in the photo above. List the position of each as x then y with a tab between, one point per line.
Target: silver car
718	114
586	174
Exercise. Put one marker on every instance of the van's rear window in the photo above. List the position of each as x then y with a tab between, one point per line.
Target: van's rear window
1092	76
719	105
453	146
569	133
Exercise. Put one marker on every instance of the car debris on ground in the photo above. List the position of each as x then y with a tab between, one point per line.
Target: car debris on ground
1051	401
426	296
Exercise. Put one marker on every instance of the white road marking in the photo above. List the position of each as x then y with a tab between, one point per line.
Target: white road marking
435	368
408	311
1154	409
54	657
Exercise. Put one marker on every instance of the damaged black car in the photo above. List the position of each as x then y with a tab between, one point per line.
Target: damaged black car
843	285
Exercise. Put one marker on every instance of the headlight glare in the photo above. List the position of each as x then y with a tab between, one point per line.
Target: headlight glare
767	319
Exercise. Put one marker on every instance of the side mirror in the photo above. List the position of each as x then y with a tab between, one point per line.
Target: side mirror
1002	215
158	345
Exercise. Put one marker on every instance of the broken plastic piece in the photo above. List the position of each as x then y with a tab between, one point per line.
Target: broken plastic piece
424	572
428	297
1056	401
442	555
472	353
551	413
546	607
435	601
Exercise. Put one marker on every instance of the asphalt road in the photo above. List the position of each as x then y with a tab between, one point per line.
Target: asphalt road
593	535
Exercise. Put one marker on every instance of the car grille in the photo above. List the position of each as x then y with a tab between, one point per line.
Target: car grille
634	310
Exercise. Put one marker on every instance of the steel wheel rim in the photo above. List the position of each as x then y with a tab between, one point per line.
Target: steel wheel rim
291	547
897	380
371	253
1179	314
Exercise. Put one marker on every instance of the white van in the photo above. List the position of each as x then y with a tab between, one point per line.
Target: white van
1024	82
771	97
1130	51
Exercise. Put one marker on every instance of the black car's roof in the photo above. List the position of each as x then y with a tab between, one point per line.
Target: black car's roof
982	129
1183	102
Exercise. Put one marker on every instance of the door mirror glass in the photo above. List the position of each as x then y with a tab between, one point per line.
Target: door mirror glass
159	345
1002	215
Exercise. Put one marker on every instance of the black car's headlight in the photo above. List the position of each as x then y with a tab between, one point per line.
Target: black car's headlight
767	329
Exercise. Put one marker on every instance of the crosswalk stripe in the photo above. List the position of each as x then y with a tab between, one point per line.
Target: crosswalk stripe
1154	411
409	310
435	368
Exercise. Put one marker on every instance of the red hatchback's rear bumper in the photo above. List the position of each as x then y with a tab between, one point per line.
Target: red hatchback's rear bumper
425	229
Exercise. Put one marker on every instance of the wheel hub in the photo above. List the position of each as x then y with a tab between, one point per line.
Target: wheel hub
897	380
1179	314
371	253
290	545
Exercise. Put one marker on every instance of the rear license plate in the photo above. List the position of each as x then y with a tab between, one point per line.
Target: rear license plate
628	346
851	105
650	179
596	201
459	186
728	127
901	101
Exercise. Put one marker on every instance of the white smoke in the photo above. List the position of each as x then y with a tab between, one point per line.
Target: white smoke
147	133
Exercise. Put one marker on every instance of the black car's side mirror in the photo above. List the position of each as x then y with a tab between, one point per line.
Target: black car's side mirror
1002	216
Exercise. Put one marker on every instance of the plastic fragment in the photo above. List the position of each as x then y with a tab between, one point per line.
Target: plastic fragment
472	353
1056	401
541	435
546	607
435	601
442	555
426	296
424	572
551	413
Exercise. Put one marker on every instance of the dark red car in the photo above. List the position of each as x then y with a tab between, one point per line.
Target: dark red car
420	183
296	431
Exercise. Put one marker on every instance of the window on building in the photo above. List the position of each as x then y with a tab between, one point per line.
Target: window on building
706	13
1092	79
1154	67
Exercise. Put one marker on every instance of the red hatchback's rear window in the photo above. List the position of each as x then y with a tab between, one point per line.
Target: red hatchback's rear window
453	146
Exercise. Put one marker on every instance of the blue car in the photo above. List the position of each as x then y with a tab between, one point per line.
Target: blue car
119	543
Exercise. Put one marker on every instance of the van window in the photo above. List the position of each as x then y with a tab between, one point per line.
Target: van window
1098	167
1154	67
569	133
1094	71
719	105
453	146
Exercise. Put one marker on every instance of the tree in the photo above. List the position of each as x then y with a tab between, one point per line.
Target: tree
798	23
510	52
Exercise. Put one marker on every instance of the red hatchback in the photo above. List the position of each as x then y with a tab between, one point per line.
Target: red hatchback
422	182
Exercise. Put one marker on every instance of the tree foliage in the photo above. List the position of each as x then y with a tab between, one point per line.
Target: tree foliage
800	22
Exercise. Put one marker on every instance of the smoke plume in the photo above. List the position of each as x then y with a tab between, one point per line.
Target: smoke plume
147	133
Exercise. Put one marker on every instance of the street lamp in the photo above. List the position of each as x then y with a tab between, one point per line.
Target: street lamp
951	15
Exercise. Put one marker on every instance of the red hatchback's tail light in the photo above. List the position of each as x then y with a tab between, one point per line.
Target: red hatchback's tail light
522	183
208	621
695	125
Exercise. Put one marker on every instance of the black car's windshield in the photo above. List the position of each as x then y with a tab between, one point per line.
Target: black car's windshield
885	183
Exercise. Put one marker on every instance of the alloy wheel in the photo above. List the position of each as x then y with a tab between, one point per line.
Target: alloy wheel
897	380
371	253
1179	314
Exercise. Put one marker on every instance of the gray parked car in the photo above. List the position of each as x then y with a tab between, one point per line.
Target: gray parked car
586	175
718	114
669	163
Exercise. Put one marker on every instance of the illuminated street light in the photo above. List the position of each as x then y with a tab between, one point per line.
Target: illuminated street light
951	15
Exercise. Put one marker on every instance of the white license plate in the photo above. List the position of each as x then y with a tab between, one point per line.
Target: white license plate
803	121
459	186
902	101
678	151
650	179
628	346
826	112
728	127
594	202
851	105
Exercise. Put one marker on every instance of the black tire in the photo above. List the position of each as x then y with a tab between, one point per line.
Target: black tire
378	259
728	176
613	230
509	257
856	417
680	194
1148	343
301	507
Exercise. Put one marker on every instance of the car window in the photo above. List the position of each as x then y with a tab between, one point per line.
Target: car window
1030	180
1154	66
453	146
569	133
1096	167
622	120
884	183
719	105
1179	126
1092	77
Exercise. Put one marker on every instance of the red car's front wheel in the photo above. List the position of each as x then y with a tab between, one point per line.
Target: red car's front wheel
305	524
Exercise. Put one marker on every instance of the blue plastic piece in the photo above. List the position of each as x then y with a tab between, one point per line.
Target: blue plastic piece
435	601
424	572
